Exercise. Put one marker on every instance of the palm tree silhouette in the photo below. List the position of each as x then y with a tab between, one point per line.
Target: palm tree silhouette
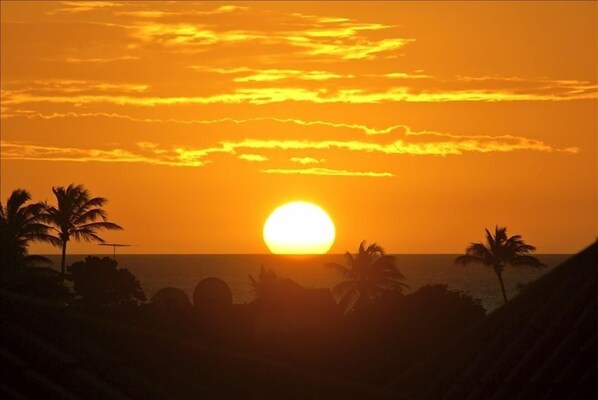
76	216
265	282
498	252
367	275
19	225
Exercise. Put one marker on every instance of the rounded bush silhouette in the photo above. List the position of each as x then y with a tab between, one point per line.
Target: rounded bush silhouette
212	294
170	299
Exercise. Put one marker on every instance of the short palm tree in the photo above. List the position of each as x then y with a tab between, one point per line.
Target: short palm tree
498	252
76	216
265	282
20	224
367	275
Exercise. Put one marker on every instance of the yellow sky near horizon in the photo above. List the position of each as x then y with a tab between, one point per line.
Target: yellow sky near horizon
413	124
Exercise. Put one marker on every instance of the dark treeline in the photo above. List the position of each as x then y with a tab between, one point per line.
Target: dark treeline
369	328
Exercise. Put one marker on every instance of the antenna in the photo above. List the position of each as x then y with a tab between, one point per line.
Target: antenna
114	246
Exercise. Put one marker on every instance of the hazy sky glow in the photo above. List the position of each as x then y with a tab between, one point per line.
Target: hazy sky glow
414	125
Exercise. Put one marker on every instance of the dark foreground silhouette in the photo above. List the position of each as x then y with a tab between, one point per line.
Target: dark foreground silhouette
292	343
541	345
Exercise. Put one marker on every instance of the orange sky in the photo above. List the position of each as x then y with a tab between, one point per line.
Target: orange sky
414	125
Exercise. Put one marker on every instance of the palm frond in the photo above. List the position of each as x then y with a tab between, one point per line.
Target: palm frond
348	300
48	238
341	270
385	267
361	248
16	200
254	281
342	288
375	249
101	225
479	250
490	239
90	216
87	236
500	235
95	202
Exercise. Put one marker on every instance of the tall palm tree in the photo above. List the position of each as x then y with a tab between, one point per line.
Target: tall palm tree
499	251
368	274
76	216
20	224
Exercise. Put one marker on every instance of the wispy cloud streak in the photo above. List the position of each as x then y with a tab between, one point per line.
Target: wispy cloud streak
328	172
438	143
20	151
99	60
75	7
261	96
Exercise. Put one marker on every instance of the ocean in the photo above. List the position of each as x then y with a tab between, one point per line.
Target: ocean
185	271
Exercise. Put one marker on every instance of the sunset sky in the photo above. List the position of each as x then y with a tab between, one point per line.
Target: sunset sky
414	125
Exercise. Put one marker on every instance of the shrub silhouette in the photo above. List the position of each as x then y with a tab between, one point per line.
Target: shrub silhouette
99	283
398	330
435	309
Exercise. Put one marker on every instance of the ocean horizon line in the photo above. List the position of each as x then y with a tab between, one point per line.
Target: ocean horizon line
269	254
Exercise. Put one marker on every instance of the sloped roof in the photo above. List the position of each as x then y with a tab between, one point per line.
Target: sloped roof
543	345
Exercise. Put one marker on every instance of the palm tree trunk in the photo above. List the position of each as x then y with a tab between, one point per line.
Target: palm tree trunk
502	286
63	262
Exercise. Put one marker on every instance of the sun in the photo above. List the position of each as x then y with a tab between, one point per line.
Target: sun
299	227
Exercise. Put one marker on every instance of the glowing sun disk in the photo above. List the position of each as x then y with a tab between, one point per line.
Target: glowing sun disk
299	227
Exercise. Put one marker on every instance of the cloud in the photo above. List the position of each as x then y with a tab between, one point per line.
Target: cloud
342	38
20	151
253	157
409	142
145	13
290	35
75	7
269	95
406	75
456	146
69	86
305	160
391	141
188	35
155	154
153	14
270	75
236	70
327	172
99	60
337	26
359	50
